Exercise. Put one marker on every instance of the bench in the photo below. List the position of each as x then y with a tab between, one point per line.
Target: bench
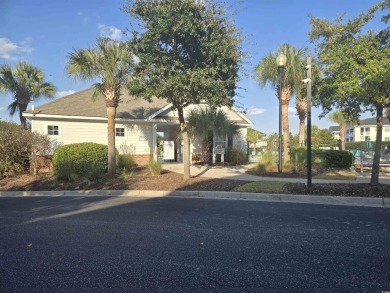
363	166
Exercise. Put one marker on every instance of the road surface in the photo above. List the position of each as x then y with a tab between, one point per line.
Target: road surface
118	244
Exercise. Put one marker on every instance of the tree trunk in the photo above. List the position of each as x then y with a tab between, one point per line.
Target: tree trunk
342	136
301	106
186	144
301	131
378	146
111	113
23	121
286	128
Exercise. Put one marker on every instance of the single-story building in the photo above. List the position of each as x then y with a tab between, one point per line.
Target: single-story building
79	118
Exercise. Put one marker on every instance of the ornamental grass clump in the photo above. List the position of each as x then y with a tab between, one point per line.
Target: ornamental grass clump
155	167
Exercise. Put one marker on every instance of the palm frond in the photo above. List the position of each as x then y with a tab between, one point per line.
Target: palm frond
13	107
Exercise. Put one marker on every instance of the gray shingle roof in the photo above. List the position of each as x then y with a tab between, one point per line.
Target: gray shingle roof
82	104
334	128
372	121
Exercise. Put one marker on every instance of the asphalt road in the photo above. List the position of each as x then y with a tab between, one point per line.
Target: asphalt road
103	244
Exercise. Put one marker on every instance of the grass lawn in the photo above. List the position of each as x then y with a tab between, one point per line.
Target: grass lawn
263	187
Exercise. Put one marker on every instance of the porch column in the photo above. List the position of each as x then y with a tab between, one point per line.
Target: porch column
154	144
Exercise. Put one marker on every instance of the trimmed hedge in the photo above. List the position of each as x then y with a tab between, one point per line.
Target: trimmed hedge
80	160
321	158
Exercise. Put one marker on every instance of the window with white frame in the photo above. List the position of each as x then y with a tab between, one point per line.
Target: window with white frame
53	130
387	129
361	130
119	131
387	138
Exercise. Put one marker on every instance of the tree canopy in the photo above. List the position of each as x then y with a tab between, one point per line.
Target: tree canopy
355	67
188	51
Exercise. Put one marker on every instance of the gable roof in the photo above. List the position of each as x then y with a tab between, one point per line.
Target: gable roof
334	128
81	104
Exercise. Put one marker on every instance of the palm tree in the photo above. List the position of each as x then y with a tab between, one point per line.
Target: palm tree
26	83
267	73
204	123
339	118
111	62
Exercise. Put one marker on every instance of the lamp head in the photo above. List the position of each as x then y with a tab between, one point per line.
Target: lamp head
281	60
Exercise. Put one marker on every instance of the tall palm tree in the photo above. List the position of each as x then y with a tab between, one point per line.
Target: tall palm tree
267	73
111	62
339	118
26	83
205	123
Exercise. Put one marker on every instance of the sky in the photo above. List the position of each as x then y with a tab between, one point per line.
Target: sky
44	32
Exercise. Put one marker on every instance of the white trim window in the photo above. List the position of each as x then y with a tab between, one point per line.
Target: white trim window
120	131
53	130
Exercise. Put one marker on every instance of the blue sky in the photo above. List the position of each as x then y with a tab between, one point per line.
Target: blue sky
44	32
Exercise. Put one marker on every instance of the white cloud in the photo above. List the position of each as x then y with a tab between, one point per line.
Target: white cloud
61	94
111	32
85	18
13	51
256	111
2	108
292	110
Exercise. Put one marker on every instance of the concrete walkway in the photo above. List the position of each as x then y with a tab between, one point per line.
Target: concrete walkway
239	173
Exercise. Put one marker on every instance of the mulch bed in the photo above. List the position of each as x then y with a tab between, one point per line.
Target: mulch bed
141	179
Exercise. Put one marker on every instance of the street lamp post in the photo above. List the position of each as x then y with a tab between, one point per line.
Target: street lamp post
308	94
281	62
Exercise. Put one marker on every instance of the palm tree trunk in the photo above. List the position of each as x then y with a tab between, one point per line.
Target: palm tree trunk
286	127
186	144
111	113
301	106
342	136
23	121
378	146
301	132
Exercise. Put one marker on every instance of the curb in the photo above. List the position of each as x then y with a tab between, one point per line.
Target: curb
283	198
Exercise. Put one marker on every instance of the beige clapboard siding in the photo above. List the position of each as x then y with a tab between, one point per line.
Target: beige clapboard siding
239	140
138	139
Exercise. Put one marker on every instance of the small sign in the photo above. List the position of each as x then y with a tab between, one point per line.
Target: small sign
219	150
169	150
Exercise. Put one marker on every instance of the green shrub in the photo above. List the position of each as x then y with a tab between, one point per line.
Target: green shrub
320	158
86	160
125	163
65	171
17	145
155	167
338	159
235	156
